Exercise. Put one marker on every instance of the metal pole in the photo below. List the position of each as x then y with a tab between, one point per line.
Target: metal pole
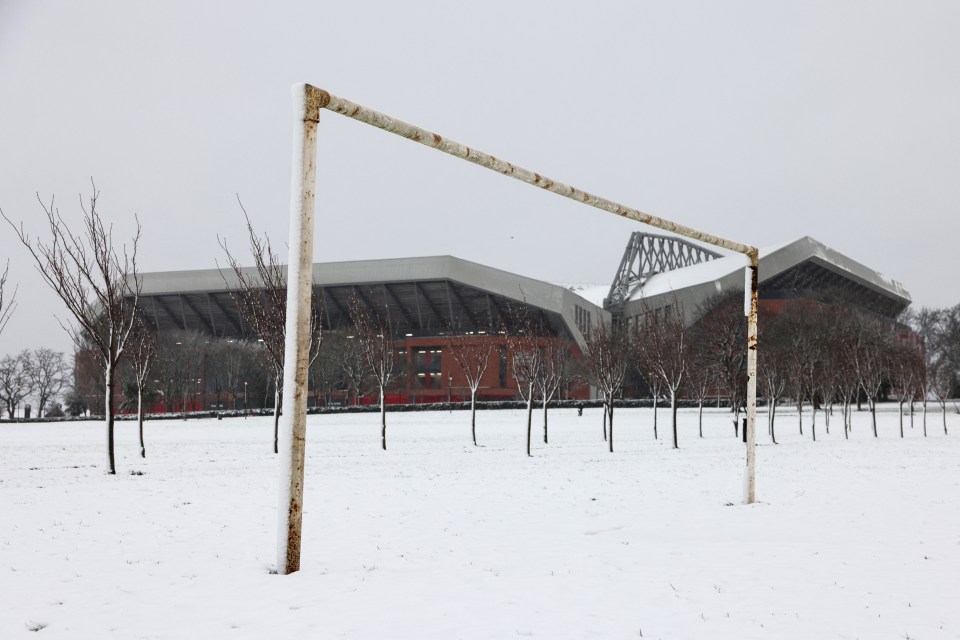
750	476
292	429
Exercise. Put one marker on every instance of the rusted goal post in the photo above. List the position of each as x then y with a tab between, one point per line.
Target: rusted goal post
308	101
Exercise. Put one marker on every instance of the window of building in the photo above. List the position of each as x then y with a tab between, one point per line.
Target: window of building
429	362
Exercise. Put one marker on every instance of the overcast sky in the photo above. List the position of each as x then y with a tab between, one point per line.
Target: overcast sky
759	121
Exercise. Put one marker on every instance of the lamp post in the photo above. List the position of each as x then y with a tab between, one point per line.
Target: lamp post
245	405
450	389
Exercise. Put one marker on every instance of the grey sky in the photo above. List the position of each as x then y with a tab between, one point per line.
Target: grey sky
760	121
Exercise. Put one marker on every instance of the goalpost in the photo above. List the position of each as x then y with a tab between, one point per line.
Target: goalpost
308	101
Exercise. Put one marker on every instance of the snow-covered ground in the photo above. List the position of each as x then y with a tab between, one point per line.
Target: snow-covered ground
437	539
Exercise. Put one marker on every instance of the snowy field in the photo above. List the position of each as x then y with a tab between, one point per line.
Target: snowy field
437	539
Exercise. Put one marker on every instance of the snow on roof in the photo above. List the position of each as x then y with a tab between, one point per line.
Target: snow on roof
677	279
774	259
594	293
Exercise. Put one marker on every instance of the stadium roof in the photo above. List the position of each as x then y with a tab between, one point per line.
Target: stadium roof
436	295
803	268
422	296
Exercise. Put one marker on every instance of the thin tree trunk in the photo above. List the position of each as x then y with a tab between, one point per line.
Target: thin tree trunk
813	420
924	416
545	441
610	412
850	415
800	414
276	418
773	418
673	411
383	420
655	436
529	417
900	411
108	417
473	414
143	449
700	417
826	415
873	415
945	418
604	421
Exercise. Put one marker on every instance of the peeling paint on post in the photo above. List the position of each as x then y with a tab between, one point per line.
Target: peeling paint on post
307	104
751	293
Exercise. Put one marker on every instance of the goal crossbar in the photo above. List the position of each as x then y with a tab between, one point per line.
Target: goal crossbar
308	101
326	100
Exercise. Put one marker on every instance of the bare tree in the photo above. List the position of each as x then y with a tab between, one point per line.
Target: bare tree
772	370
376	343
326	373
605	355
906	362
950	356
7	305
554	357
140	355
802	330
353	365
261	296
472	355
871	359
655	384
526	365
926	324
722	331
15	384
663	346
99	286
649	377
701	373
942	380
839	350
224	368
48	375
179	366
831	365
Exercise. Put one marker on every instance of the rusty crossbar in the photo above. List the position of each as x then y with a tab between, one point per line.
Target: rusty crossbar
308	101
433	140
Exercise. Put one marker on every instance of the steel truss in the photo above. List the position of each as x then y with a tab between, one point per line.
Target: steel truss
647	254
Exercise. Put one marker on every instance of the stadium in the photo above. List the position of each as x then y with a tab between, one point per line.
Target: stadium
427	300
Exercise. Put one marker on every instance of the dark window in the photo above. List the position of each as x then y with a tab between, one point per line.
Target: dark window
429	360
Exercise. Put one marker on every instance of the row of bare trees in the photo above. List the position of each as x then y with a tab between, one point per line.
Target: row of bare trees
817	354
41	374
814	354
670	358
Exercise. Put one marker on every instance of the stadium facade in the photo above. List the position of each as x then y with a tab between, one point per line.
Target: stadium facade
427	299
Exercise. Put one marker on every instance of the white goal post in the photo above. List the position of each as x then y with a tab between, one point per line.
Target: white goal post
308	101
